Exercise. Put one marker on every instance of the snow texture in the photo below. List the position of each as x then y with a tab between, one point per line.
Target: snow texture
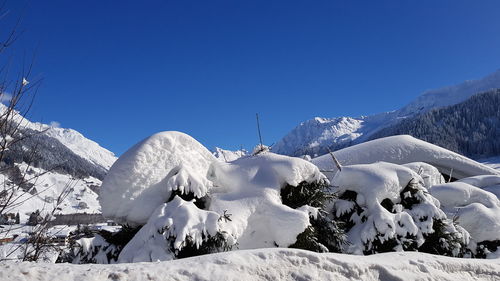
144	177
402	150
493	162
477	211
269	264
489	183
249	190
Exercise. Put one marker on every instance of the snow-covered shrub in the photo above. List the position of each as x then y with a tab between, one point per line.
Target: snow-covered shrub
324	234
429	174
145	176
91	250
476	210
103	247
177	229
250	189
385	207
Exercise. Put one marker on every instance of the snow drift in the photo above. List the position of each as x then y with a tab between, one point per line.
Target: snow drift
405	149
269	264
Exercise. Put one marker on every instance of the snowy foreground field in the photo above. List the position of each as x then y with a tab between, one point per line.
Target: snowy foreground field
270	264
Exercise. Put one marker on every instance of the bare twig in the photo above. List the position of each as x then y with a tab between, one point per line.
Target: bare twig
258	129
335	161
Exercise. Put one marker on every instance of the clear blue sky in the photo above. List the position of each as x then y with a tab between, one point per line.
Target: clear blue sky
118	71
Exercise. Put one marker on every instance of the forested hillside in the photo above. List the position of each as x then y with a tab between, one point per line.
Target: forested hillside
471	128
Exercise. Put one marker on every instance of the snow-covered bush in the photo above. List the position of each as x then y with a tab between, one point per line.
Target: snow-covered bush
187	203
91	250
324	234
145	176
429	174
103	247
476	210
177	228
385	207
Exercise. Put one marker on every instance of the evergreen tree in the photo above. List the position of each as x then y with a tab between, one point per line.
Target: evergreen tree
412	222
324	234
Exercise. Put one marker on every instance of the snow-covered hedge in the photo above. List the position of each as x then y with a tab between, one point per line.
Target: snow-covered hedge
477	210
386	207
177	200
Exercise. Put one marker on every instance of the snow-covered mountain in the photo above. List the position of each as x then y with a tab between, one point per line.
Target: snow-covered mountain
314	137
471	128
82	146
451	95
64	160
225	155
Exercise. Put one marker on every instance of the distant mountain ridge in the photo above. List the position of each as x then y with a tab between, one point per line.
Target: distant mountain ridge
471	128
316	136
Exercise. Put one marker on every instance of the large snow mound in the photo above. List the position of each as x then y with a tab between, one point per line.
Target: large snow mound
144	177
269	264
476	210
405	149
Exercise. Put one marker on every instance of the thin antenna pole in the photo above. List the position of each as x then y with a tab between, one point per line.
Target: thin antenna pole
258	129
